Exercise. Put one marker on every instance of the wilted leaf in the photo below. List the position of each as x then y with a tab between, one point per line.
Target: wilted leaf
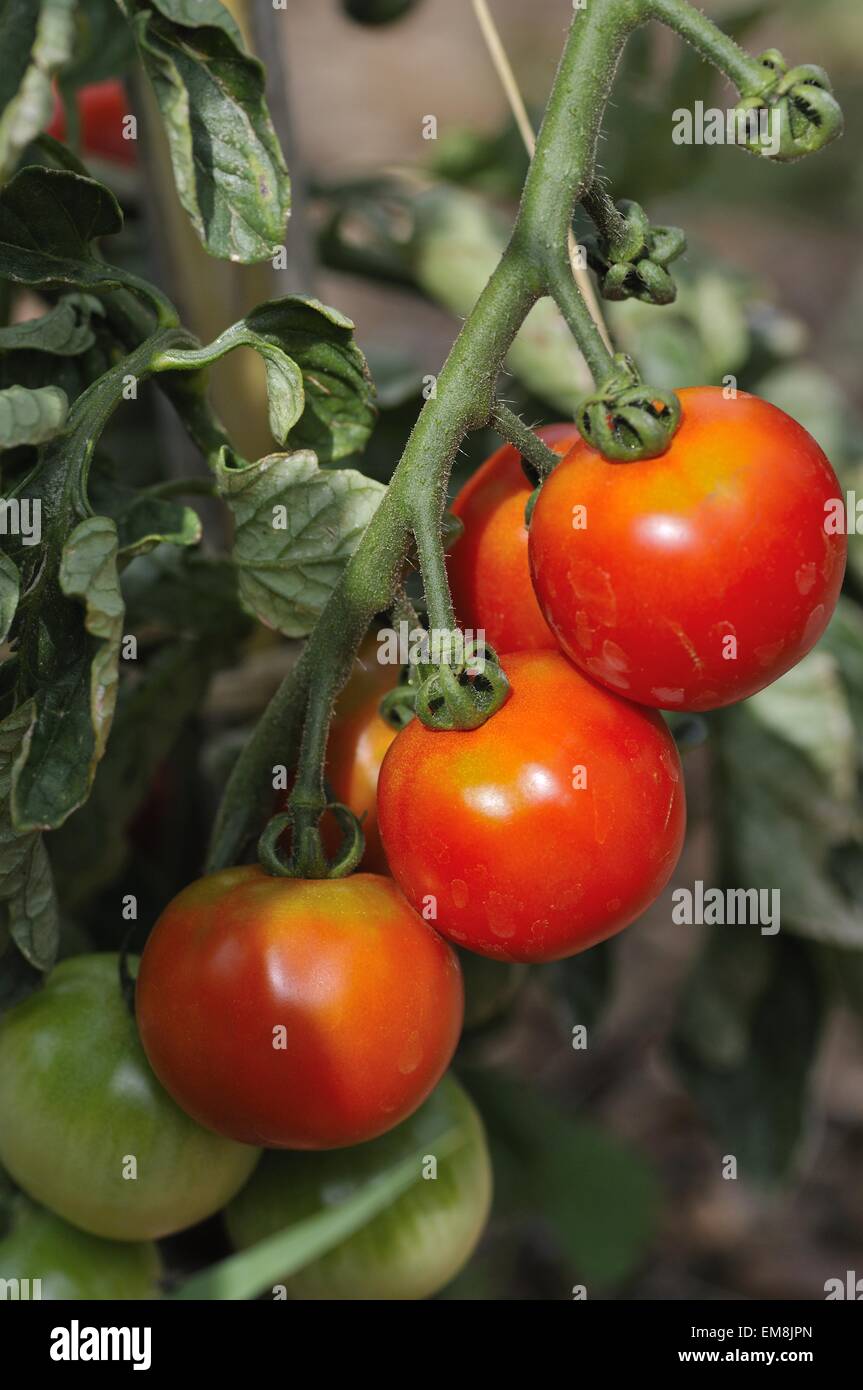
76	682
27	905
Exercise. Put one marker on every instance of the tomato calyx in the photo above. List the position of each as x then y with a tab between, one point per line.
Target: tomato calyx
305	856
626	420
398	706
464	694
631	257
802	98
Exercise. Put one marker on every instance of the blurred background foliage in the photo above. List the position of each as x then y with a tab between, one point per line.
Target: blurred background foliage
702	1043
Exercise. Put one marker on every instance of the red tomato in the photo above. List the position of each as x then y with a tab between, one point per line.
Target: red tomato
488	570
358	740
546	830
102	107
310	1014
692	580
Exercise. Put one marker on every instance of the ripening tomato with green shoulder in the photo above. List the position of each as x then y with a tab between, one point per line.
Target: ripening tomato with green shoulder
488	567
418	1243
65	1263
292	1013
85	1127
544	831
697	578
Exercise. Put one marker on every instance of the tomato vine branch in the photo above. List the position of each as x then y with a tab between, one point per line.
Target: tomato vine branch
535	263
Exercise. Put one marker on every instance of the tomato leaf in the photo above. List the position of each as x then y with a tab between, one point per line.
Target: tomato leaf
103	45
143	521
10	583
228	166
248	1274
65	330
35	40
600	1200
48	220
744	1042
31	416
319	390
296	526
793	825
92	848
76	677
28	907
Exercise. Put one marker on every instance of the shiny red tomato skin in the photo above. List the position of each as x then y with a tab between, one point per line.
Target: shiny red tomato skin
527	857
488	568
722	537
369	996
102	107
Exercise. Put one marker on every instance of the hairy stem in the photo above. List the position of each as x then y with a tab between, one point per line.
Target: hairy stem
720	50
561	169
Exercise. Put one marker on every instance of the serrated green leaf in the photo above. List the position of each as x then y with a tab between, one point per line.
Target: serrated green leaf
744	1042
10	584
228	166
296	526
31	416
319	391
28	907
40	34
76	681
64	331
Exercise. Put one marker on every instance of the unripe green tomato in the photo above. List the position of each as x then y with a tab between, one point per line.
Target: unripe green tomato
81	1112
408	1251
70	1264
377	11
490	986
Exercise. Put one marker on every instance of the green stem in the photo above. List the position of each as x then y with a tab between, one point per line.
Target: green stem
718	49
187	392
571	303
529	445
533	262
599	206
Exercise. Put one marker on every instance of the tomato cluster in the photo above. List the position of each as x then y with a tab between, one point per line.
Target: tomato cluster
314	1016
